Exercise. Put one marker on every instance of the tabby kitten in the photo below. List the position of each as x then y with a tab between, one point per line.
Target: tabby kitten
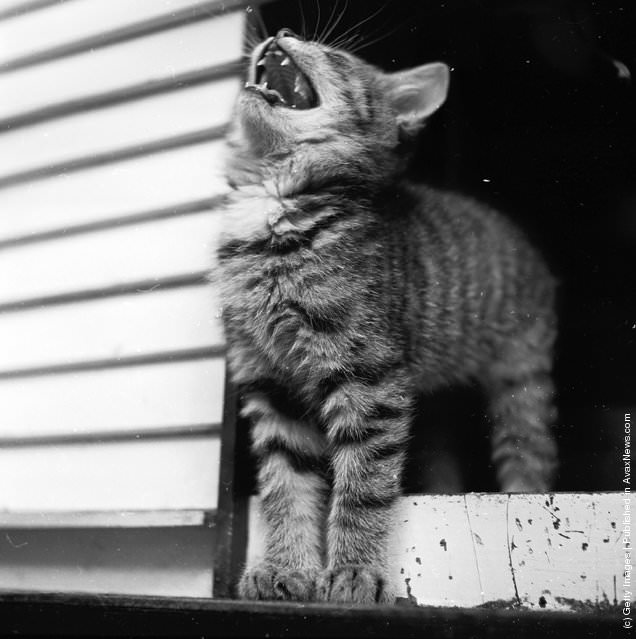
347	291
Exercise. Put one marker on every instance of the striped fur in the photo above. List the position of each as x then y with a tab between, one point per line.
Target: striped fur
348	291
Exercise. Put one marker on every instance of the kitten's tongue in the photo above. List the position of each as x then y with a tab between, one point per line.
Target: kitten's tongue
285	78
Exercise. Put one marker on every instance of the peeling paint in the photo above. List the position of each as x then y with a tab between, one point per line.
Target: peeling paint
500	604
575	605
506	548
510	549
409	596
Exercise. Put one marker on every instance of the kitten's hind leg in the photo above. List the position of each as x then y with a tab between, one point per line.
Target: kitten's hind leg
293	494
368	430
522	411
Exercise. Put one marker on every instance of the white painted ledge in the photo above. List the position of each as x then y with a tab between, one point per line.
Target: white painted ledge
105	519
560	551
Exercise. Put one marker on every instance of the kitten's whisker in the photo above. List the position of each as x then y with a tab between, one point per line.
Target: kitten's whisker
255	30
336	23
314	36
303	21
251	39
363	44
379	38
250	34
351	40
328	27
260	22
321	32
364	21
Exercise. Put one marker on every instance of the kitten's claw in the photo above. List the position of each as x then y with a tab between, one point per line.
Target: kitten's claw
353	584
266	582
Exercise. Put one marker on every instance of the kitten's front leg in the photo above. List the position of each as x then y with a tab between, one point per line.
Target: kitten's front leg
368	431
293	494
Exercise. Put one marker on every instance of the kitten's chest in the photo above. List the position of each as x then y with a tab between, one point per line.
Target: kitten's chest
277	292
256	214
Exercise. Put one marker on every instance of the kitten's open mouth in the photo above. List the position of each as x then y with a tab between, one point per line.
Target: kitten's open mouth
279	80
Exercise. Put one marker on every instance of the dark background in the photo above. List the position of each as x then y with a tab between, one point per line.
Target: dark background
540	123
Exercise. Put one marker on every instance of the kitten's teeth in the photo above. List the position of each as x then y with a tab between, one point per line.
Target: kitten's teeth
285	61
278	95
261	62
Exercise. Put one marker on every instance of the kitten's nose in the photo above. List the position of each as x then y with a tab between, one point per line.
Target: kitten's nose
287	33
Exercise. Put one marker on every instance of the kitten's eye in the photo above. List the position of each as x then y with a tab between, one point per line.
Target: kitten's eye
337	59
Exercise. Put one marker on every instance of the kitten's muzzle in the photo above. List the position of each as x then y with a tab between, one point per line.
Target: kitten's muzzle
278	79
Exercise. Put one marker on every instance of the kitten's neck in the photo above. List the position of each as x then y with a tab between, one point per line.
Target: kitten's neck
298	172
259	214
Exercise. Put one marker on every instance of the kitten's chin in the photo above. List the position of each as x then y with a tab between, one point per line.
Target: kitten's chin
264	130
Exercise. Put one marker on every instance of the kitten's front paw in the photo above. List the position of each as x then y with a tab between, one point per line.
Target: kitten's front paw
353	584
267	582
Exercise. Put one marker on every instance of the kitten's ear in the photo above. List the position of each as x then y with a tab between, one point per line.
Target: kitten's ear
417	93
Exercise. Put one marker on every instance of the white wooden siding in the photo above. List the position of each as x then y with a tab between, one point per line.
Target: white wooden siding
165	54
162	321
145	475
116	190
111	128
112	114
128	399
71	21
174	246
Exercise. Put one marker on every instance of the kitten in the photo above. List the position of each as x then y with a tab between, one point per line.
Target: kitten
347	291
